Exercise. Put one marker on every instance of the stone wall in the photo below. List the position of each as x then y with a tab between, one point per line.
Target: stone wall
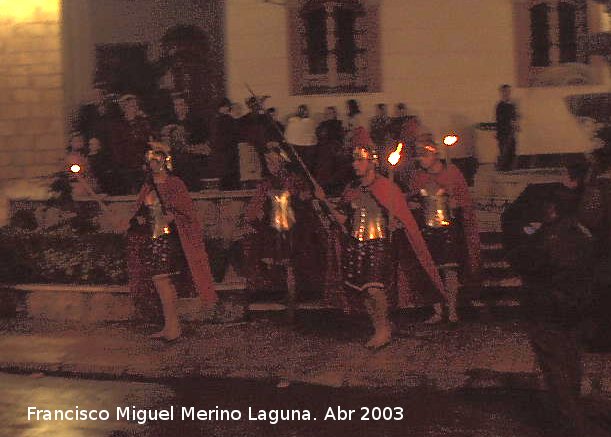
31	98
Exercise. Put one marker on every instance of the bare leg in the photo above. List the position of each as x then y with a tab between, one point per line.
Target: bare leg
437	315
378	311
450	279
167	294
291	301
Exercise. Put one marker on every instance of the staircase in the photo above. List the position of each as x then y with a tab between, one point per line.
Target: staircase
500	285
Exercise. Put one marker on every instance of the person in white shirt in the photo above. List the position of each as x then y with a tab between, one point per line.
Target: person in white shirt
301	134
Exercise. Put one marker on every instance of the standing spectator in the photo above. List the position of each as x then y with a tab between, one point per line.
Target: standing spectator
595	213
253	132
354	116
95	121
332	169
276	128
129	140
224	145
357	133
187	136
506	129
379	127
95	116
553	253
301	134
397	121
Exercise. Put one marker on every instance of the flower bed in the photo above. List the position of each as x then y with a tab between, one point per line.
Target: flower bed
62	257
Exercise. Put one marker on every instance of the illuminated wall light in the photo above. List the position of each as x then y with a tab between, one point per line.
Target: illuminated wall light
21	10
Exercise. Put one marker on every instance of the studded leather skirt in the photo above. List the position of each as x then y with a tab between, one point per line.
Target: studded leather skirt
165	255
443	243
366	263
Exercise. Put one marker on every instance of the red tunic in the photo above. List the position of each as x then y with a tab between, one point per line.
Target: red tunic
176	199
453	182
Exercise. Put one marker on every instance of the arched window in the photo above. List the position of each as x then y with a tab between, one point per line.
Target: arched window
333	46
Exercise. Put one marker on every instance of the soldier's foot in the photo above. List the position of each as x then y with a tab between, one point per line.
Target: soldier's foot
434	319
379	340
160	334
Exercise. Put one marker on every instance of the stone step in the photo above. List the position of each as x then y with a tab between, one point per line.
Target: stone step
274	306
490	237
493	256
111	303
493	265
506	282
492	247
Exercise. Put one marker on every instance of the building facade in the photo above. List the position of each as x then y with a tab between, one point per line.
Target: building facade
444	61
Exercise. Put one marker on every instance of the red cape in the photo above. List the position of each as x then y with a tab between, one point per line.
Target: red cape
414	262
177	201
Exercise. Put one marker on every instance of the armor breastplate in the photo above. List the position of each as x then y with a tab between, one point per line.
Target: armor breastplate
435	206
369	221
159	225
282	216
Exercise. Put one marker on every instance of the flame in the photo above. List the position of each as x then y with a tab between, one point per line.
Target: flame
166	229
75	168
395	156
441	219
284	220
450	140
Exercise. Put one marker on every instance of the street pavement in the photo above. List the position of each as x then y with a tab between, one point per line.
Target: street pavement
479	413
471	355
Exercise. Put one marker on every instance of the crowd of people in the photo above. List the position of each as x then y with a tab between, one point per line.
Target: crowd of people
110	135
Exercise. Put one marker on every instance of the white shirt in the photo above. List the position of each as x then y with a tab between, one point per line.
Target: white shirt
301	131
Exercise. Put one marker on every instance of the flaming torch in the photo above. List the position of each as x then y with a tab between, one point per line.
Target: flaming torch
81	181
449	140
393	160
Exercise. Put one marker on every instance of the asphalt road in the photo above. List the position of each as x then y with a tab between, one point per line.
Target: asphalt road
414	413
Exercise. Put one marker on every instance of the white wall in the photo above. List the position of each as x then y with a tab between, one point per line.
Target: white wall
444	58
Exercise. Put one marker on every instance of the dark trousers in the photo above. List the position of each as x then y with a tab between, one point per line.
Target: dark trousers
507	151
559	357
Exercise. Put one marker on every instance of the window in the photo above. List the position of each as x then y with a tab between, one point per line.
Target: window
550	36
333	46
567	32
539	35
316	39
